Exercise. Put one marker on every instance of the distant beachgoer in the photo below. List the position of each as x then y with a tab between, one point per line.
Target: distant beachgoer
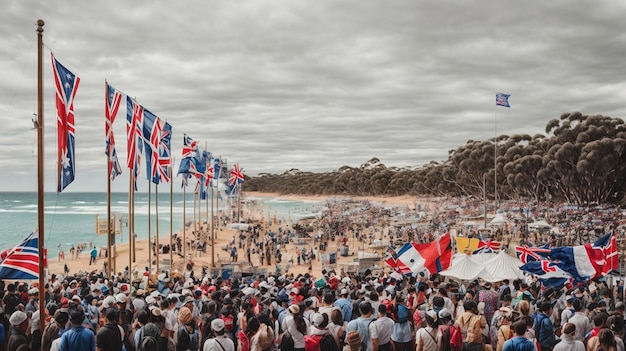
93	255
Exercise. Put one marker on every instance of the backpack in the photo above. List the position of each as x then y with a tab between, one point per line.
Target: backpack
417	319
403	314
286	342
228	321
300	324
190	339
328	343
456	338
312	342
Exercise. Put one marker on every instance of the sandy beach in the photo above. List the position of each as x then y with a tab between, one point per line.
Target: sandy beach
223	236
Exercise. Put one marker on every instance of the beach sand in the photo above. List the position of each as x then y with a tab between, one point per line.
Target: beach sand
223	237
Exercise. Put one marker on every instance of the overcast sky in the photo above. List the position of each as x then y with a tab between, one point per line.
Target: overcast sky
312	85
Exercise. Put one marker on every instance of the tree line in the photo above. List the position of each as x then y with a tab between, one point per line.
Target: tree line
581	160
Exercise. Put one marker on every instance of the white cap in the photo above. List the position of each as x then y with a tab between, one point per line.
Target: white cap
120	298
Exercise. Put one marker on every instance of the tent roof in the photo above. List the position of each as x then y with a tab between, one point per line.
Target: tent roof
498	220
540	225
465	268
504	266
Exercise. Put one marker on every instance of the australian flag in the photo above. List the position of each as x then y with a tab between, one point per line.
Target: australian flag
502	100
66	85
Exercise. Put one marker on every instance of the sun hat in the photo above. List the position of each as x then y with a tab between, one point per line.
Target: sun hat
184	316
354	340
294	309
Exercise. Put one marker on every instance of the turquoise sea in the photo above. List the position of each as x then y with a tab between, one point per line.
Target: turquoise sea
70	218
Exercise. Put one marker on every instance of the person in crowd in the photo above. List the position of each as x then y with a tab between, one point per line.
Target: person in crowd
363	326
568	343
17	338
219	341
519	342
429	338
78	338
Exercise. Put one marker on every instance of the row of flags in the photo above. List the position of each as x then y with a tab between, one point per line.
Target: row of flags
148	140
415	258
555	265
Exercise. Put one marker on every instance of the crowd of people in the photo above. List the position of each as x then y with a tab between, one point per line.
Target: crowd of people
330	312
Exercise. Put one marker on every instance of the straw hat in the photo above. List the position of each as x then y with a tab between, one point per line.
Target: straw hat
354	340
184	316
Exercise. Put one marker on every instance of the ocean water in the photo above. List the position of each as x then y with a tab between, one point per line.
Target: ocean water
70	218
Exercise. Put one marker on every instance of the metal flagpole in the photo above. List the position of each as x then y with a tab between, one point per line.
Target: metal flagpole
156	215
40	172
169	170
149	228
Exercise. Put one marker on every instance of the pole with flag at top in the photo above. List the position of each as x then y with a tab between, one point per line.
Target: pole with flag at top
501	100
40	171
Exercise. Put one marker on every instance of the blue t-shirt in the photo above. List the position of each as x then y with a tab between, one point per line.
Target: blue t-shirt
518	343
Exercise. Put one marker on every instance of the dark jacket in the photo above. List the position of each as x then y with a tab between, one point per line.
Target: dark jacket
17	341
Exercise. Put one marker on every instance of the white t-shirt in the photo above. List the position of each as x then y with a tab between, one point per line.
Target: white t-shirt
220	343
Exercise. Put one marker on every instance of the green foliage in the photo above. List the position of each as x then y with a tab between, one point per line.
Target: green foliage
581	160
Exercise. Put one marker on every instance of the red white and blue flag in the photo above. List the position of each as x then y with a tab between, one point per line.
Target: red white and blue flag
112	100
217	168
487	247
502	100
151	139
134	126
66	85
582	262
435	256
531	253
235	178
165	155
22	261
189	152
550	273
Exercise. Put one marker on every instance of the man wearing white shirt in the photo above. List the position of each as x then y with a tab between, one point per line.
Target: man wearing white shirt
220	342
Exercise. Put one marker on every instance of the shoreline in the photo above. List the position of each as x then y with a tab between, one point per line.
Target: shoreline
223	236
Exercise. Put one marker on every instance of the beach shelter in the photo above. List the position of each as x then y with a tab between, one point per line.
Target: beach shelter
504	266
465	268
539	225
498	220
483	257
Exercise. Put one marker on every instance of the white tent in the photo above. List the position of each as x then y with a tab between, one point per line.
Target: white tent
465	268
481	258
504	266
539	225
498	220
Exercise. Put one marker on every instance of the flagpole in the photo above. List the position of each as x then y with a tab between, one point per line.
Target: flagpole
109	234
131	216
130	237
149	228
184	219
40	171
212	228
169	169
156	215
495	161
